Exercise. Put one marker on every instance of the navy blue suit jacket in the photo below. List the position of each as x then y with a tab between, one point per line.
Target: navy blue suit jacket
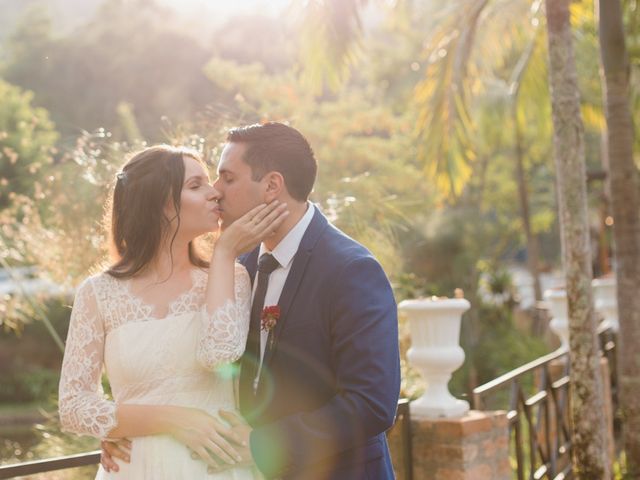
331	377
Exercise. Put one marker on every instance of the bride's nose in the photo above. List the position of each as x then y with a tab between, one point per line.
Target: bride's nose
213	194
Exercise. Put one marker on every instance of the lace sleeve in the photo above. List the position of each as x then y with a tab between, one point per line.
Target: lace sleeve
223	333
82	405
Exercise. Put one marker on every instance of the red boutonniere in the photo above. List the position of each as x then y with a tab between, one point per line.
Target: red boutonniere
269	318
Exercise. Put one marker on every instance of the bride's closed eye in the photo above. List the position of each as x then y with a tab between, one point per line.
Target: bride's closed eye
196	185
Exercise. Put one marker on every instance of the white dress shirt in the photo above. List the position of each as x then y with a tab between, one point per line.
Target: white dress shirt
283	253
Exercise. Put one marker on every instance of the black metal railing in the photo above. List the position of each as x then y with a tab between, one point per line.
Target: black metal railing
49	464
403	421
607	338
538	411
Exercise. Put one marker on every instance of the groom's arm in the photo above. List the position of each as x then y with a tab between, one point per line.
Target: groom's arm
365	353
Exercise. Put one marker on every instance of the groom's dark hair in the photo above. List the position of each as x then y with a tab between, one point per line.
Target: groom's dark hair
274	146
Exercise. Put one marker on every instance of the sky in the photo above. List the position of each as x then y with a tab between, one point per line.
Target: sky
68	14
227	8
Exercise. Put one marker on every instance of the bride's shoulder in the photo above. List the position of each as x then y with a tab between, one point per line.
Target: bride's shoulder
202	274
99	281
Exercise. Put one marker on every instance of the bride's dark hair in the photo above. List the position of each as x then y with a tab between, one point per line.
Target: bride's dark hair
150	179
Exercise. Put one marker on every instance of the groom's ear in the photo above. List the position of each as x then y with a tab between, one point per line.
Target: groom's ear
275	185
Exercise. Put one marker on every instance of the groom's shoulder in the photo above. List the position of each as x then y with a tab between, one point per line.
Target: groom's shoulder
344	260
342	247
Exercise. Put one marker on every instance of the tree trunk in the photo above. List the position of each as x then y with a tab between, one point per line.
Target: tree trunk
533	260
589	439
523	194
625	203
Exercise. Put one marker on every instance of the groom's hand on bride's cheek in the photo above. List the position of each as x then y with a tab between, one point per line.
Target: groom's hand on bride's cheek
242	431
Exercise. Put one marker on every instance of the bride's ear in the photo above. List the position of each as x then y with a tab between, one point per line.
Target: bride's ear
274	186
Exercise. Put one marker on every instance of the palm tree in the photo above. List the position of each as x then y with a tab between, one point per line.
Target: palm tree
625	203
589	445
515	84
445	128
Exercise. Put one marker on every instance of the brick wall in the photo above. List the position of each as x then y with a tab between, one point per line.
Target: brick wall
473	447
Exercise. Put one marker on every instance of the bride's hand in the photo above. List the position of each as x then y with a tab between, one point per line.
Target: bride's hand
205	435
253	227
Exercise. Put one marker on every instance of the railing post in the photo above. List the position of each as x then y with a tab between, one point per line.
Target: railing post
399	438
608	408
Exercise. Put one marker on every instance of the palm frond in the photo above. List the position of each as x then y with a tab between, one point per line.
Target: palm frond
330	32
444	125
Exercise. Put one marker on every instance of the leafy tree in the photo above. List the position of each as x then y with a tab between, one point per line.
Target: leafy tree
125	54
270	43
29	44
623	181
27	139
368	181
588	437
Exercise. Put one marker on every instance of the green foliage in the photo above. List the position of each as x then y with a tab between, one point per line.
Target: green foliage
45	440
416	149
498	347
29	361
61	229
499	282
27	139
368	181
127	53
270	44
27	384
30	43
331	29
444	124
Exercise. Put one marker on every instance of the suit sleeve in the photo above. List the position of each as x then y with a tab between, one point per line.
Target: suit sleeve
365	355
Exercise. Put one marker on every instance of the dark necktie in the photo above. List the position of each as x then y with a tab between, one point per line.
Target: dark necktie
251	360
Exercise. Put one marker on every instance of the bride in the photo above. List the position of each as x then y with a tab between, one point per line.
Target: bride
165	324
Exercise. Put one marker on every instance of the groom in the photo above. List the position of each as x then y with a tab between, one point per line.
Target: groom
319	387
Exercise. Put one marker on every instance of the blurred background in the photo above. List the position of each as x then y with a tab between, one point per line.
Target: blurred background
430	120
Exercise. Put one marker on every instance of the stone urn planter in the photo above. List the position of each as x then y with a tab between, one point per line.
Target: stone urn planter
606	301
556	298
436	353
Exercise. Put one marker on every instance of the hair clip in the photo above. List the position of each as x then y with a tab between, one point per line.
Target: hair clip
122	176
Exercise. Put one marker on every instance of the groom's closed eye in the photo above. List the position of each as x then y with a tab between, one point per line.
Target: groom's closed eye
226	178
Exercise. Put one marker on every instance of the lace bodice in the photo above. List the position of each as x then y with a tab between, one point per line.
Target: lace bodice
169	353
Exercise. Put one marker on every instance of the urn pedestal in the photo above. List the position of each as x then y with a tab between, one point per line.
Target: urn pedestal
557	300
435	351
606	301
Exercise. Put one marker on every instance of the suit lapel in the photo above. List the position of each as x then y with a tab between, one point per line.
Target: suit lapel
250	262
295	277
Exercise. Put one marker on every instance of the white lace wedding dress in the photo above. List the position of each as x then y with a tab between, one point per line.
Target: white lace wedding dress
182	359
